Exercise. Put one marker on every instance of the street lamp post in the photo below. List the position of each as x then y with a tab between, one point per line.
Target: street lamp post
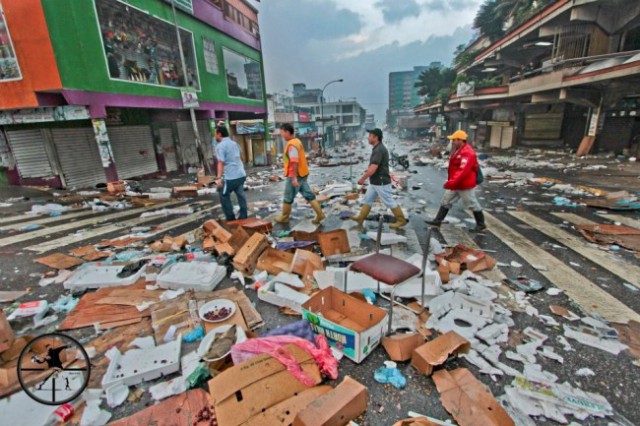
322	111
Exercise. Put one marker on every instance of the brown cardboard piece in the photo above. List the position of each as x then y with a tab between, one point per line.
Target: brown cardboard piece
455	258
418	421
336	408
434	353
275	261
59	261
303	258
116	187
253	225
186	191
334	242
468	401
6	333
246	258
250	388
239	238
236	319
284	412
400	347
214	229
16	347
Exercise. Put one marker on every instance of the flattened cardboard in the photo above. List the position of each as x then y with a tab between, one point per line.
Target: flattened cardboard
418	421
6	333
253	225
352	326
400	347
334	242
468	401
337	407
180	410
284	412
186	191
59	261
434	353
250	388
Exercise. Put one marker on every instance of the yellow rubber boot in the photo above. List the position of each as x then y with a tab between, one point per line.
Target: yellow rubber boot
286	213
400	219
362	216
315	205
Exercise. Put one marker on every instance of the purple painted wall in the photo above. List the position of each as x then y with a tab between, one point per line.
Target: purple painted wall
206	12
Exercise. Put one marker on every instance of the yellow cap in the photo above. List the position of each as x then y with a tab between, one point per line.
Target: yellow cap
459	134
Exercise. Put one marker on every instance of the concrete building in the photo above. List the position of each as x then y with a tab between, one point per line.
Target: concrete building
567	76
94	91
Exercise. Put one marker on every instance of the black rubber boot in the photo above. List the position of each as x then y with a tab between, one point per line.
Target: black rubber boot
480	225
442	213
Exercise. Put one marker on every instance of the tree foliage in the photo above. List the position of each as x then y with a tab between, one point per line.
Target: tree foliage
495	18
435	83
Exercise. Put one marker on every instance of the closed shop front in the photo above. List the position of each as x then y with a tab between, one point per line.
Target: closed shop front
168	147
501	134
30	152
133	150
79	157
188	150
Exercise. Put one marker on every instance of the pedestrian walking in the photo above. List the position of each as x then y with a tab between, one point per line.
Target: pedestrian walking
296	172
230	176
379	182
462	181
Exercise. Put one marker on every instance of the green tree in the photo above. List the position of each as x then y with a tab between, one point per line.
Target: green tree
488	20
435	83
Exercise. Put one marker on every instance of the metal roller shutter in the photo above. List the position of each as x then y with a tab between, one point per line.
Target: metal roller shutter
28	147
206	138
133	151
79	157
168	149
188	151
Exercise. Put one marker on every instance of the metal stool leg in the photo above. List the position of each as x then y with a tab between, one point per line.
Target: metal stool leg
393	290
425	257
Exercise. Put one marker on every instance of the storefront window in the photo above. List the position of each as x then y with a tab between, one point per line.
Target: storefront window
9	68
144	49
244	77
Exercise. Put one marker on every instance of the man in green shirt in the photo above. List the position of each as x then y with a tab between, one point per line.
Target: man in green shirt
379	182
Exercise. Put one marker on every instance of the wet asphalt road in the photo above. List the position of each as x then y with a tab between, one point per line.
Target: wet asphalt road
615	376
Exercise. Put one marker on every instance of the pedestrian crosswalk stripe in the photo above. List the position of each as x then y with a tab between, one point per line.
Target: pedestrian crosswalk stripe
73	225
72	239
626	221
43	220
624	270
584	292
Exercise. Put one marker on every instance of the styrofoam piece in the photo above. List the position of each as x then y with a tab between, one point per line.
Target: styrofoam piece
289	279
281	295
413	287
208	340
387	238
461	321
93	415
534	373
483	365
305	226
96	275
549	352
494	333
198	276
116	395
141	365
454	300
169	388
20	409
610	345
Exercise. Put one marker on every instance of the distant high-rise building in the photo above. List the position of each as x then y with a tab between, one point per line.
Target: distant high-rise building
254	78
403	96
304	96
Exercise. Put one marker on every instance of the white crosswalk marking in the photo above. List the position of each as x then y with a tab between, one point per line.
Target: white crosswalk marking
587	294
87	222
72	239
43	220
624	270
626	221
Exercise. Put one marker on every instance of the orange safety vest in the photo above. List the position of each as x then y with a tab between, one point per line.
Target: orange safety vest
303	168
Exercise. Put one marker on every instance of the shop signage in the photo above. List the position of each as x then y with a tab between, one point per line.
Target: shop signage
43	115
189	98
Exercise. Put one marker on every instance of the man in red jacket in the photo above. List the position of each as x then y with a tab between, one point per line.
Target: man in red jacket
463	172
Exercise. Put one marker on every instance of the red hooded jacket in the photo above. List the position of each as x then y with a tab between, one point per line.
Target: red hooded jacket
463	168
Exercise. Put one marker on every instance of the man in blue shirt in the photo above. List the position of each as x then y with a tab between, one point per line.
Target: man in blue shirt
231	175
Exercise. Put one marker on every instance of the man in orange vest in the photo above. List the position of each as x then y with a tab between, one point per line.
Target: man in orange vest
296	172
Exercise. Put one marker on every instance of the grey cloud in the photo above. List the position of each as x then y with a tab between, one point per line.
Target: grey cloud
395	11
449	5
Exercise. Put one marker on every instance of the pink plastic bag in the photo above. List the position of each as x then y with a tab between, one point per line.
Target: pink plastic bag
274	346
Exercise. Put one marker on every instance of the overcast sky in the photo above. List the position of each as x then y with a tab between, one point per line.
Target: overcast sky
361	41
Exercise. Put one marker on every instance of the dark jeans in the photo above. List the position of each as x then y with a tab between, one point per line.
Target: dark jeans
228	187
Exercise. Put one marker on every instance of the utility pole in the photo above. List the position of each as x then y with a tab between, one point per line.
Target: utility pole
322	111
192	112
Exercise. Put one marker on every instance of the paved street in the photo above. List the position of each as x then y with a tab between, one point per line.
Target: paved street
523	227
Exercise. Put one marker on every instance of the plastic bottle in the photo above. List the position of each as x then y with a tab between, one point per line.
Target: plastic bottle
64	412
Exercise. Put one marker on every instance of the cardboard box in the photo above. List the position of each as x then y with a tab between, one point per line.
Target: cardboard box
334	242
186	191
473	260
434	353
468	400
252	387
350	325
9	370
285	412
117	187
6	333
205	180
400	347
304	261
253	225
239	237
275	261
246	258
214	229
16	348
336	408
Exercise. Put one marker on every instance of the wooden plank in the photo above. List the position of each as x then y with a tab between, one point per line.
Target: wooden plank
25	236
625	220
624	270
72	239
587	294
